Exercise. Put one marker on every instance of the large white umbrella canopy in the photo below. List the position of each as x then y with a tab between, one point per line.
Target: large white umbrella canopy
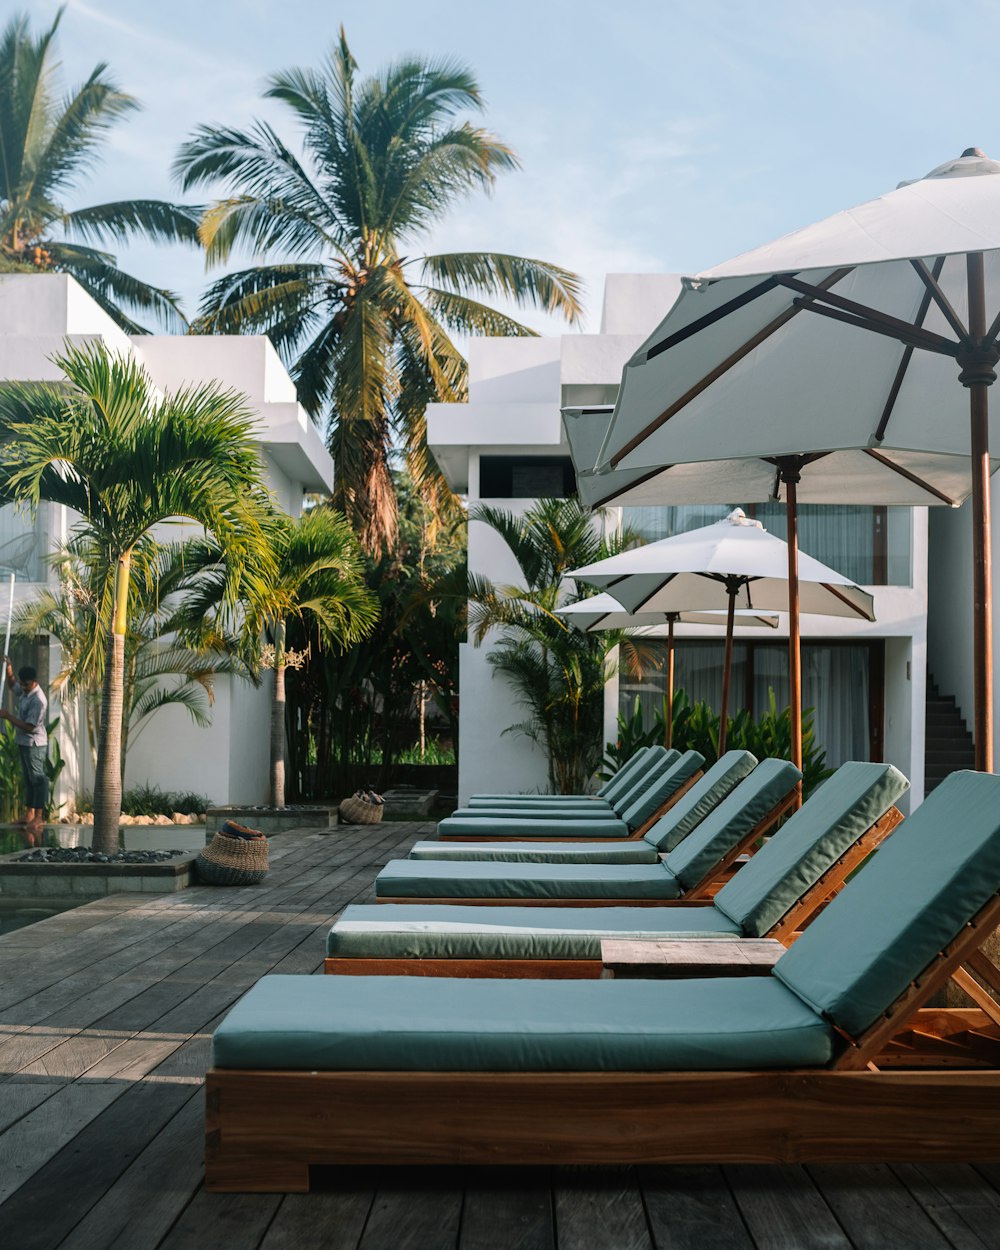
732	563
829	366
602	612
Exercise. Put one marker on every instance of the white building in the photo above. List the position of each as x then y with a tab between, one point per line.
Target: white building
227	761
506	447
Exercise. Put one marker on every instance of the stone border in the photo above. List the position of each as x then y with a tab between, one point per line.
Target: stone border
83	881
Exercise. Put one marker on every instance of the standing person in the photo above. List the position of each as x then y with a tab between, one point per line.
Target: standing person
31	739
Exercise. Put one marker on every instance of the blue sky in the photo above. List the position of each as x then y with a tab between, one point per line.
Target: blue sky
654	136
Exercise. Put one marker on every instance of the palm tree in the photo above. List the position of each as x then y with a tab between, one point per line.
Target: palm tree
557	672
362	317
161	667
320	583
45	144
106	445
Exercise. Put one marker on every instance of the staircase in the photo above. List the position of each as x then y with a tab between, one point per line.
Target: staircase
948	744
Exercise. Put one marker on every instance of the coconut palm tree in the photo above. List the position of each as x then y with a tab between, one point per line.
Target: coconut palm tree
105	444
557	672
161	668
46	143
361	315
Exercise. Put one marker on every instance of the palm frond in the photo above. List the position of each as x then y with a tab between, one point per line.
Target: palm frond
529	283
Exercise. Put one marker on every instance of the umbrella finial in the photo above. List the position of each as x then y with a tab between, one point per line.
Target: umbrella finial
739	517
975	152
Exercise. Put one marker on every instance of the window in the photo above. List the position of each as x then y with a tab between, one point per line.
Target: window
871	546
842	682
526	477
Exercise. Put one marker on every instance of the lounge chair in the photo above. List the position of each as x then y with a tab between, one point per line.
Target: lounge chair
612	789
678	821
690	871
772	896
631	816
780	1068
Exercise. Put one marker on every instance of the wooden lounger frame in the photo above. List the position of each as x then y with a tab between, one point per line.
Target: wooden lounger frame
697	894
825	886
640	832
264	1129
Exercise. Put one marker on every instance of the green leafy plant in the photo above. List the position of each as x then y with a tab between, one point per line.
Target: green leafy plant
149	800
696	728
557	672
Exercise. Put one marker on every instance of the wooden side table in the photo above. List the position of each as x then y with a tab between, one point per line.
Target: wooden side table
697	957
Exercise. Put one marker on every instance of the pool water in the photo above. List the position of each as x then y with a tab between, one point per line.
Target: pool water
131	837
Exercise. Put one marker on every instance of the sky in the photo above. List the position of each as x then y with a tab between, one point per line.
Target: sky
653	135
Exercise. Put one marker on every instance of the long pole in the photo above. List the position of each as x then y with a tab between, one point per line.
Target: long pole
669	709
6	641
978	375
727	664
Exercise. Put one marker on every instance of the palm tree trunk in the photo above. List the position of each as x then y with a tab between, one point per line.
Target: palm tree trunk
278	720
108	781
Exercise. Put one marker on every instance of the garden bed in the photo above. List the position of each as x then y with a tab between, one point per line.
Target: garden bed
272	819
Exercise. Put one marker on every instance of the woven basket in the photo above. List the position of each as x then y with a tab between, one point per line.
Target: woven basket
354	811
235	856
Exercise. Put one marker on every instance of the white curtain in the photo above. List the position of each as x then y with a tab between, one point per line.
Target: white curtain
834	685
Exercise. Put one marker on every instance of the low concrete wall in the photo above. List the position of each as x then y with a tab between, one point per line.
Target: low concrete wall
272	821
80	881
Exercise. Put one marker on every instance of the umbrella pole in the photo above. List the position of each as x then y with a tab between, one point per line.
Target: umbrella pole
669	709
790	476
978	373
727	665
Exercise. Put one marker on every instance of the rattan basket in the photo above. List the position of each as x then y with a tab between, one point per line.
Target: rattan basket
355	811
235	856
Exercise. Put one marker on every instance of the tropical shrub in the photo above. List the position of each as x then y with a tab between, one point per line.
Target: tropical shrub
696	728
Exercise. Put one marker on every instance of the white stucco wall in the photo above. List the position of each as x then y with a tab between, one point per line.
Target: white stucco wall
227	760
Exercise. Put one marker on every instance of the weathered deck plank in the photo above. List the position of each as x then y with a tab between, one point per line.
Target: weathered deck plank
106	1015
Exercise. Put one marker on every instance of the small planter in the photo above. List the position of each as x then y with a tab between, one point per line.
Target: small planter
272	820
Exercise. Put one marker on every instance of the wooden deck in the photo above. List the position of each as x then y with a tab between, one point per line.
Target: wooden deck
105	1018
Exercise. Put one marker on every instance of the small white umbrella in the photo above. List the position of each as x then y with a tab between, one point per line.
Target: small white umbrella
601	612
715	567
855	402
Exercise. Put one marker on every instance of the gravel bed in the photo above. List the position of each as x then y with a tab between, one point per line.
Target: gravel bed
84	855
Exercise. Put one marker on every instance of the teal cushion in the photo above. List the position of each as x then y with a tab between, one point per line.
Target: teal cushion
426	931
658	791
421	1024
414	878
541	802
532	827
639	783
629	771
734	818
911	899
624	851
533	811
844	807
703	797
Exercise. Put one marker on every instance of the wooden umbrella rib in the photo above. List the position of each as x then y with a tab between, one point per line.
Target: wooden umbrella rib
904	363
709	319
744	350
904	330
994	329
844	599
639	481
944	347
910	477
930	281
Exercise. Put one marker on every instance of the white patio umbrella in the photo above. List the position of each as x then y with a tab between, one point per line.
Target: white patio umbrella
808	407
716	567
601	612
